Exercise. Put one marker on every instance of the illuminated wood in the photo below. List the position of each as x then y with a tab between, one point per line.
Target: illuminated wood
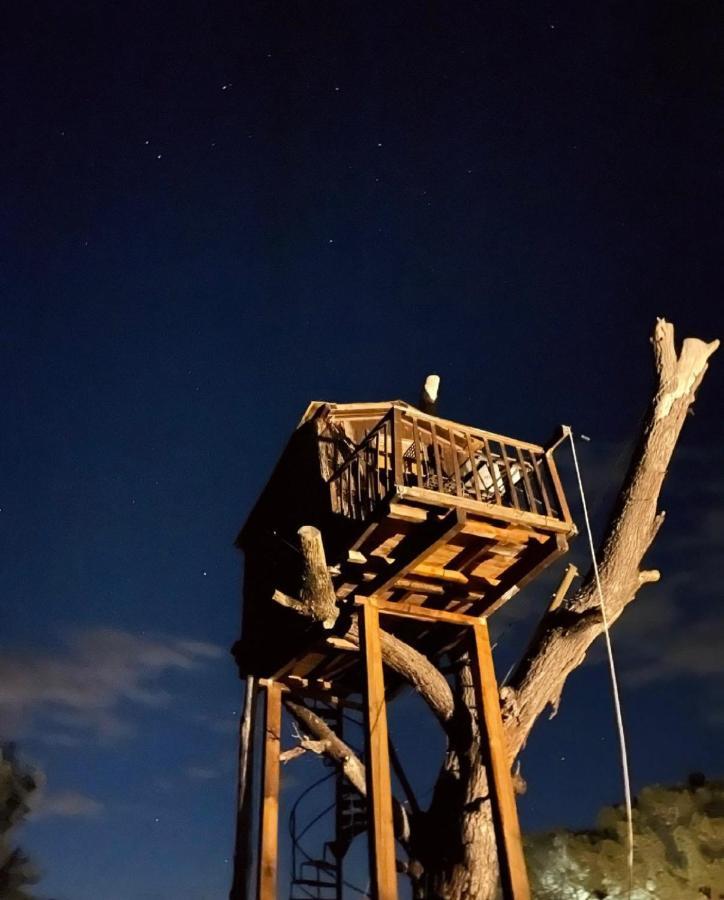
417	547
499	513
513	875
381	838
269	830
412	611
243	851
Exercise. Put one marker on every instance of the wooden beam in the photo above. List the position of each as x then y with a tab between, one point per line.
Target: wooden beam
506	533
513	875
528	566
558	487
381	839
269	830
566	581
243	851
498	513
416	547
413	611
427	570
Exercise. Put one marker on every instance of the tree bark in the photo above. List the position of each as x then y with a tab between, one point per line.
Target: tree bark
567	632
317	599
452	844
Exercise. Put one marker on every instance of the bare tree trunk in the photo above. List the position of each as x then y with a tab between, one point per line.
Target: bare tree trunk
451	845
567	632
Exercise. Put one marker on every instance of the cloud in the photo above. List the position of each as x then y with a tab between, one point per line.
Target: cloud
84	686
675	628
67	805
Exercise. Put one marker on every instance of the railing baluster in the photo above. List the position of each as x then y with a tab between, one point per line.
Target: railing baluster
530	496
388	457
378	478
493	472
511	485
436	451
397	445
358	485
473	465
456	466
541	483
418	454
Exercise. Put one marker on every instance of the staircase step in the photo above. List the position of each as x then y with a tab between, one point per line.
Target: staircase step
321	864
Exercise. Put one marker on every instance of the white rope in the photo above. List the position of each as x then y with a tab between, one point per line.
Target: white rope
612	671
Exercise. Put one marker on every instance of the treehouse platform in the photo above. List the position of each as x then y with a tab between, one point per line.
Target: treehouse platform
427	523
415	511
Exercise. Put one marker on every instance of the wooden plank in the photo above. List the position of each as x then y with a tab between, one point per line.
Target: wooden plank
412	611
456	464
407	513
492	468
525	570
418	454
511	862
500	513
269	830
568	576
560	494
417	546
381	839
530	496
424	587
243	851
473	466
444	574
509	534
536	462
397	446
509	473
436	453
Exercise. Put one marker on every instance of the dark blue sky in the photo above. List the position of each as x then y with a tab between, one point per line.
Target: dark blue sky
214	213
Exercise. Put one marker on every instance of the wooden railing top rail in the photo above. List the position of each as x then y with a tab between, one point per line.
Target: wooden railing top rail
384	421
412	413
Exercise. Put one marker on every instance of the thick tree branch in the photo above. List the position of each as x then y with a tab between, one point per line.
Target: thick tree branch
569	630
329	744
415	668
317	600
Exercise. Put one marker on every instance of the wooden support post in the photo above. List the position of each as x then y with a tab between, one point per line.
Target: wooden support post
398	475
269	830
513	875
381	835
243	852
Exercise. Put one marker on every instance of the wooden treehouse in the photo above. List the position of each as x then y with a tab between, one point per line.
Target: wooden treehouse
427	523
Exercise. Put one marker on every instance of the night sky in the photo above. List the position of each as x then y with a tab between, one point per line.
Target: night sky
213	213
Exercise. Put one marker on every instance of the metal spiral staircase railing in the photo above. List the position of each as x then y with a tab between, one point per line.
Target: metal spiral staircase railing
320	876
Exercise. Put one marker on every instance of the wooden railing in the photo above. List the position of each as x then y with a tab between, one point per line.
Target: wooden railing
364	480
409	449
